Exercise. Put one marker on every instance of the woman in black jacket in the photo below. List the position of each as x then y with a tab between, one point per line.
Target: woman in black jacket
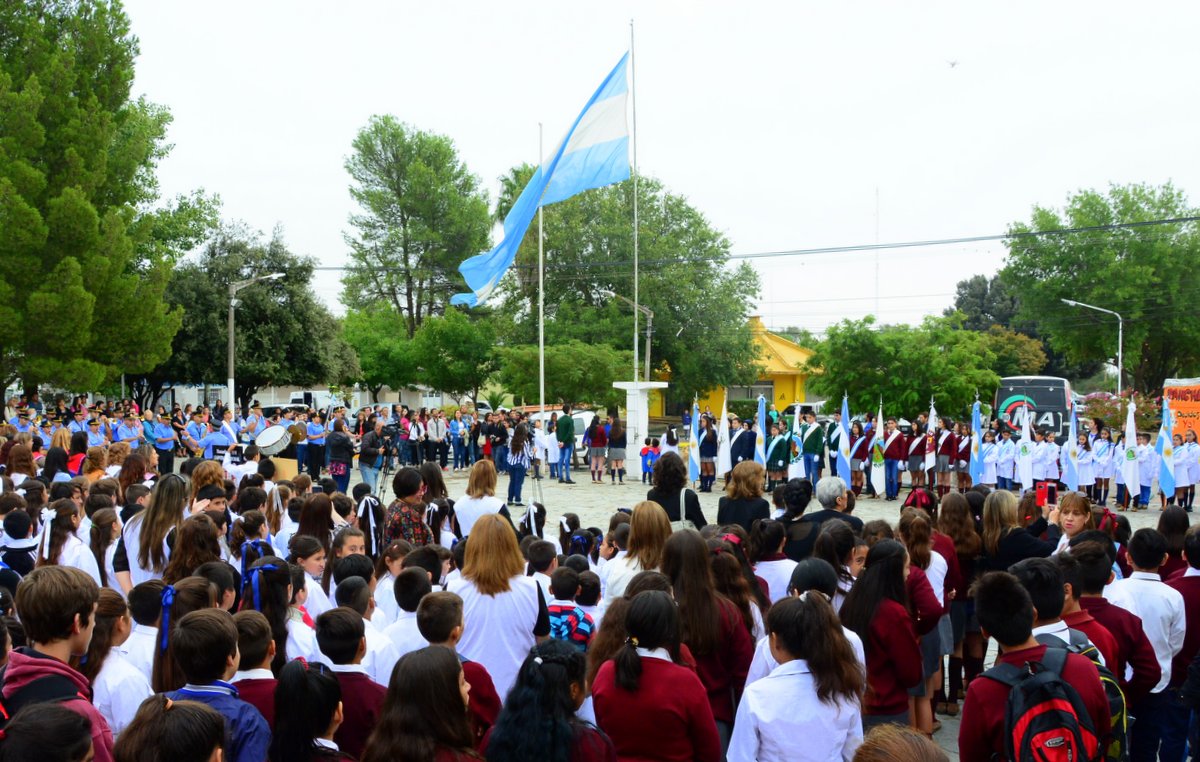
341	455
671	492
1005	541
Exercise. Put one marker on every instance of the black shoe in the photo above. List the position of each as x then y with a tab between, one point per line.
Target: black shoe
560	481
569	481
519	504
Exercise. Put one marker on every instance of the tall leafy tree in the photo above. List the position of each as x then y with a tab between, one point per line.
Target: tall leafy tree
87	249
285	336
455	355
421	214
576	372
700	305
1147	274
385	357
938	359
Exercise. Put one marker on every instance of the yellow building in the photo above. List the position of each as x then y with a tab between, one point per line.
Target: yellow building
782	381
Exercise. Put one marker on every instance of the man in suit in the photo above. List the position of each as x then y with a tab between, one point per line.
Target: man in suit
741	442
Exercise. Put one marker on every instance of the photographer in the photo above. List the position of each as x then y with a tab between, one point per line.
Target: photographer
370	452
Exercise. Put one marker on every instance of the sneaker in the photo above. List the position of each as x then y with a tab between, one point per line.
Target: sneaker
519	504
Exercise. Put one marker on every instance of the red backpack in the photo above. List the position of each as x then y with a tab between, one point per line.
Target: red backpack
1045	720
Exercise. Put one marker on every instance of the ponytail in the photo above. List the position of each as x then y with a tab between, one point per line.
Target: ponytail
181	731
48	732
538	719
306	698
628	665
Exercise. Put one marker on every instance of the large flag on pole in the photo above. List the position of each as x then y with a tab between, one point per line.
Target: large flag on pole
1129	466
694	444
877	446
796	469
760	430
1025	450
843	453
931	438
975	467
1070	472
1166	451
724	456
594	153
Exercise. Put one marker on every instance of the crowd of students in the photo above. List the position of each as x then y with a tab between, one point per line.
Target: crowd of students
175	615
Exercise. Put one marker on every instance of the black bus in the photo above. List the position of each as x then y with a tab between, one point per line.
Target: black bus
1047	398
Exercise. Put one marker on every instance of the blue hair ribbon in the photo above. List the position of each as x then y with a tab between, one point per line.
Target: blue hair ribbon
262	546
255	585
164	627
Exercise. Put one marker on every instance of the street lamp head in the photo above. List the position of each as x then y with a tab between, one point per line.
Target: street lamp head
1071	302
273	276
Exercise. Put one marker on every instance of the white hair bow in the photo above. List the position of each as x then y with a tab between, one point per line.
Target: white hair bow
562	522
47	516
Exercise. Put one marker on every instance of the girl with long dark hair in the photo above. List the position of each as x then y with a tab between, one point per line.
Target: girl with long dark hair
181	731
595	438
617	443
59	545
308	711
876	609
649	705
102	540
538	720
707	443
767	538
424	715
118	688
267	590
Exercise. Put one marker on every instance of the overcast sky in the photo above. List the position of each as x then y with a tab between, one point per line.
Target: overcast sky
782	122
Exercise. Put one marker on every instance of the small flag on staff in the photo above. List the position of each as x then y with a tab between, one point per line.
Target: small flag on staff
1025	450
843	453
1129	466
694	444
724	455
1166	451
1071	462
976	465
931	438
760	432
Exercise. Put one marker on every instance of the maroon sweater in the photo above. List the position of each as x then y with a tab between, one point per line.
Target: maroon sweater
1189	588
981	732
927	609
260	694
954	578
1101	638
893	659
589	745
362	701
483	704
1133	647
667	719
723	672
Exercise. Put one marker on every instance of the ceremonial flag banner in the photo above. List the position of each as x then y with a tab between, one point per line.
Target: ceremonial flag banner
1129	466
796	469
877	472
694	445
1025	451
1071	462
1166	451
724	456
976	465
931	438
594	153
843	453
760	430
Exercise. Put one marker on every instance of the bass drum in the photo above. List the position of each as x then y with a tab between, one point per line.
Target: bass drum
273	440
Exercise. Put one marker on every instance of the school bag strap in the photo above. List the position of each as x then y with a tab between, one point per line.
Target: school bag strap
40	690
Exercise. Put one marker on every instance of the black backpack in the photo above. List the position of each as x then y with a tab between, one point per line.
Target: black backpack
1045	720
1116	745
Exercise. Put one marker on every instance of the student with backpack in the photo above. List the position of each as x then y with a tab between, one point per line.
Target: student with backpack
1188	585
56	604
1036	698
1076	618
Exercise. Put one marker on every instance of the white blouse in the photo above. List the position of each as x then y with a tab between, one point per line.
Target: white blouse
118	690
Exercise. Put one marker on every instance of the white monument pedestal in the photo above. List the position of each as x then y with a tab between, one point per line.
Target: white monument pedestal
637	420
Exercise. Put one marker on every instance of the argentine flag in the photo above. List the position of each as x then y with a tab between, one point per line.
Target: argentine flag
760	431
1070	475
1166	451
1025	451
975	465
594	153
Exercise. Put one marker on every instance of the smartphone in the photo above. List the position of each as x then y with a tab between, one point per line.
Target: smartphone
1052	494
1042	494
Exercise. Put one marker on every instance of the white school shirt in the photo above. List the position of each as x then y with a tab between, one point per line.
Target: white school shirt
468	510
498	629
1183	474
1160	608
763	662
386	608
778	575
138	648
404	635
1087	471
1147	465
75	553
283	537
991	455
318	601
543	581
1193	450
1102	458
936	574
118	690
131	533
1040	454
381	656
782	708
595	612
1006	460
1052	455
1060	630
301	640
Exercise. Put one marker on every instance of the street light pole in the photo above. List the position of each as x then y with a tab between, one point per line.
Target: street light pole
649	326
1120	336
233	303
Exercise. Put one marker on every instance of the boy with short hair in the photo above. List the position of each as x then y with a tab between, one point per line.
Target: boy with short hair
1076	618
145	607
19	552
543	560
1133	647
1161	610
341	635
588	597
57	606
205	647
220	574
256	648
440	621
136	497
1006	613
410	587
1044	582
568	622
381	656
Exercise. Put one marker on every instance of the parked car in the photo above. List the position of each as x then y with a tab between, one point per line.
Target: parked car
583	419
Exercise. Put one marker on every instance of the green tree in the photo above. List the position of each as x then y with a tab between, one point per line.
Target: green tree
1147	274
904	366
385	356
285	336
682	278
422	213
86	251
1016	354
456	355
576	372
985	302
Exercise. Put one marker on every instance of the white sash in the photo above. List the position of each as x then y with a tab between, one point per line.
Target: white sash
942	439
811	429
912	448
963	444
891	438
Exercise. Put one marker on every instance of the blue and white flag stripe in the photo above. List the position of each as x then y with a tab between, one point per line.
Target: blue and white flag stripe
594	153
1166	451
694	445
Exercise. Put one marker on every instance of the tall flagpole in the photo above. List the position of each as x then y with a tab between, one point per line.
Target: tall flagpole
633	97
541	318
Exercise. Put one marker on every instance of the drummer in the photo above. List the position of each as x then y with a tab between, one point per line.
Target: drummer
215	437
164	442
255	423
